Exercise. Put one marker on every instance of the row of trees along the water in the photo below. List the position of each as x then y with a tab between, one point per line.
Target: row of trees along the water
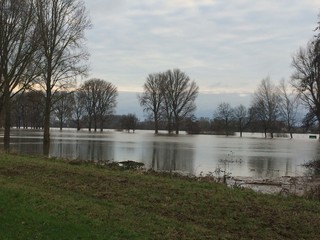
89	106
171	96
169	99
273	109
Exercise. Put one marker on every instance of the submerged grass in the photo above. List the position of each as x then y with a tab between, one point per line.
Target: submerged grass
52	199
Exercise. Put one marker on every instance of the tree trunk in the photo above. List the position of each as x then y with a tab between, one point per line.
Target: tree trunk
156	125
169	125
78	124
177	127
46	124
95	124
90	122
242	127
318	127
226	121
101	123
61	123
7	121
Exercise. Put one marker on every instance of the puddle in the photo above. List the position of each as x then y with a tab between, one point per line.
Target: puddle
286	185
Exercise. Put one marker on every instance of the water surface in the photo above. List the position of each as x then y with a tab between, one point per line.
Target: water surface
250	156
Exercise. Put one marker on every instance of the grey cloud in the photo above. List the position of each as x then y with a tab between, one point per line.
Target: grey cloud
229	41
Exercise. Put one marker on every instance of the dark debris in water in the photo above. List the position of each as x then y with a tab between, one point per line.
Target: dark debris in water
128	164
131	164
314	164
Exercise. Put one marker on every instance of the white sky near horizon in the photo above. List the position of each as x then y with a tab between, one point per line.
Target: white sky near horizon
225	46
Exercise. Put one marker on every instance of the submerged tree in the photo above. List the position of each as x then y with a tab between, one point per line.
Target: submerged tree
99	100
306	78
265	108
288	107
180	94
129	122
152	98
78	111
18	48
61	25
107	101
62	107
242	117
169	96
225	114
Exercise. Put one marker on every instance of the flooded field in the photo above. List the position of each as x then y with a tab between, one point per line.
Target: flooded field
250	156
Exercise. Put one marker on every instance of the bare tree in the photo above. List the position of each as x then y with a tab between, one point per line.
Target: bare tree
61	25
78	110
265	105
88	97
180	94
242	117
107	101
18	45
129	122
62	107
224	113
288	106
27	109
309	122
306	78
99	99
152	98
34	108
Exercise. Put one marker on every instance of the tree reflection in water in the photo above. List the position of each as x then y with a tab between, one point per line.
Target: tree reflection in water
171	156
194	154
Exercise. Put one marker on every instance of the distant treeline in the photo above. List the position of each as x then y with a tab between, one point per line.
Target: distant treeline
71	111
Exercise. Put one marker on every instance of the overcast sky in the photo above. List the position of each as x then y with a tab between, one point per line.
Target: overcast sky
226	46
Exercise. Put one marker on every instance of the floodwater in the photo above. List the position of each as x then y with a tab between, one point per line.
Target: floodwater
250	156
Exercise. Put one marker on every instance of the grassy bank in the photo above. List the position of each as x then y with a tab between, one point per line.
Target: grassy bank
51	199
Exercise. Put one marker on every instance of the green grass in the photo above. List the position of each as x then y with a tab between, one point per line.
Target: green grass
52	199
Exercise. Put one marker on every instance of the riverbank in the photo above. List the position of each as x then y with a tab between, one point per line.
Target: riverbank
52	199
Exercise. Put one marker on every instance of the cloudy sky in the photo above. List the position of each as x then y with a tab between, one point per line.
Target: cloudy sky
226	46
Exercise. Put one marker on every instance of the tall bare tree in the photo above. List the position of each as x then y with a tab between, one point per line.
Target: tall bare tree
107	101
34	107
129	122
62	107
88	98
224	113
99	99
18	45
152	97
78	110
61	26
306	77
242	117
265	105
180	94
288	106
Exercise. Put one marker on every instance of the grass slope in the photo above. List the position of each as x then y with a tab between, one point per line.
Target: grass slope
52	199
